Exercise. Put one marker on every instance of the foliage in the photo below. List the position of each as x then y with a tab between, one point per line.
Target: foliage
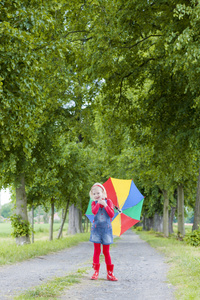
32	49
138	228
6	210
26	41
97	89
193	238
134	48
189	215
20	227
42	117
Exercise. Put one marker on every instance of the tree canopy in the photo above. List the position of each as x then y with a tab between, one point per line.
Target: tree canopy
92	89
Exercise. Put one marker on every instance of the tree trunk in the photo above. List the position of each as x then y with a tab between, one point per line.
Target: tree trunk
21	207
147	223
86	224
0	202
155	223
171	219
63	221
196	224
46	218
165	214
158	223
62	218
180	211
39	209
32	221
75	224
51	220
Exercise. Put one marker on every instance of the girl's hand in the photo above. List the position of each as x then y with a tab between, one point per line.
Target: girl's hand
102	202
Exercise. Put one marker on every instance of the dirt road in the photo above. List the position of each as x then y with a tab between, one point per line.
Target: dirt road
140	269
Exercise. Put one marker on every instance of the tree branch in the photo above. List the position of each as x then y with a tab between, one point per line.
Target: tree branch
64	36
141	41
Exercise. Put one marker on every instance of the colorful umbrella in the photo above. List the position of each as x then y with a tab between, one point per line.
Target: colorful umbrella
127	201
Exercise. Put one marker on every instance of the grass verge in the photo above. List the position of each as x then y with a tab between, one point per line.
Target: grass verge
184	262
53	287
11	253
41	230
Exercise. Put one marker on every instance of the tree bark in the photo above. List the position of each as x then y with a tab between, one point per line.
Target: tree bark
63	220
21	207
75	224
147	223
51	220
46	218
157	222
32	221
39	209
171	219
180	212
165	214
196	224
86	224
0	202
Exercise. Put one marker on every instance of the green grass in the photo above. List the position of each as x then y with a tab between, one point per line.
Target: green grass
184	262
11	253
53	287
41	230
5	230
188	228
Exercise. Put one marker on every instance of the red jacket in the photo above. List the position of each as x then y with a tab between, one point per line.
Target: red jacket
109	208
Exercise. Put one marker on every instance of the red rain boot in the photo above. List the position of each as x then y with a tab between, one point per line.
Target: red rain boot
110	275
96	271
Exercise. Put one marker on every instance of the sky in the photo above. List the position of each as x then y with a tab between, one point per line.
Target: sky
5	196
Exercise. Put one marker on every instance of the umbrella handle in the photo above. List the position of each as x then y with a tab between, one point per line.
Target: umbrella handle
118	209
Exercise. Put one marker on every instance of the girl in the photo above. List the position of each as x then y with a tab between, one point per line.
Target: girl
101	231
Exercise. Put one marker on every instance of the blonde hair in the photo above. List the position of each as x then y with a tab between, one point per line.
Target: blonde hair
97	184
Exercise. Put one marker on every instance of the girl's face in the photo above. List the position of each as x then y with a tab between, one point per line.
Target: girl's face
97	193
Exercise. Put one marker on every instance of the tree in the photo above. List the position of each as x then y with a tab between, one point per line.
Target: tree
29	43
132	54
170	107
196	223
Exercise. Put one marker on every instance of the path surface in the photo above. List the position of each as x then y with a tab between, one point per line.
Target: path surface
140	269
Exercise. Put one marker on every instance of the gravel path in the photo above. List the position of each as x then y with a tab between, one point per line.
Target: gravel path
140	269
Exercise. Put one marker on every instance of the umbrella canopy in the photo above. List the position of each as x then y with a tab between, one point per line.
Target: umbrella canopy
127	199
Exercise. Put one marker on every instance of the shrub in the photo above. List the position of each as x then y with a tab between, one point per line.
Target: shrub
193	238
138	228
20	227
